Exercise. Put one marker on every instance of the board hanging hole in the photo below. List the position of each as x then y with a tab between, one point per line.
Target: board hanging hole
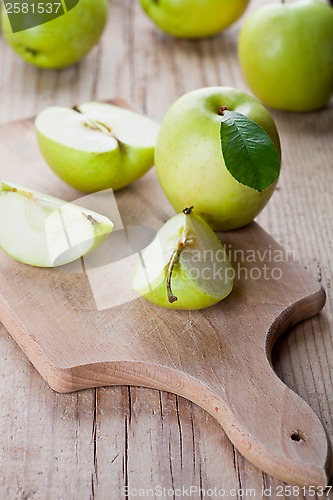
298	437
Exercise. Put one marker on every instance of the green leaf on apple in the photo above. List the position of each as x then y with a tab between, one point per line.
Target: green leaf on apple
249	153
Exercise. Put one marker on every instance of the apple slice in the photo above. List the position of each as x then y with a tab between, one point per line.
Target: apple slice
44	231
96	146
185	267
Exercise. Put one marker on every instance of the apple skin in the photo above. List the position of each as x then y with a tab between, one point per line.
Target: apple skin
189	161
64	40
286	54
194	18
93	172
192	298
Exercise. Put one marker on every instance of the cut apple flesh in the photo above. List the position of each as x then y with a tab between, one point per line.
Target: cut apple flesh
78	127
44	231
185	267
128	127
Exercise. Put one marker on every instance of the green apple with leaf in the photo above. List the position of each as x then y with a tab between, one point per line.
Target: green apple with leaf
218	149
96	146
44	231
185	266
194	18
60	42
286	54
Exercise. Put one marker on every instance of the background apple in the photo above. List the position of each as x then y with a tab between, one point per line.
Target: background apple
286	54
96	146
194	18
190	164
62	41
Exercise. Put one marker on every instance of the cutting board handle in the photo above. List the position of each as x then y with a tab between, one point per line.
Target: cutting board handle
275	429
266	421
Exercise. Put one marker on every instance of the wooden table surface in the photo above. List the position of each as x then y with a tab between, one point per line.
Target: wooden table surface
90	445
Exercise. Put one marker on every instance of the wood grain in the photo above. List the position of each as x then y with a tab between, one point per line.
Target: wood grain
74	446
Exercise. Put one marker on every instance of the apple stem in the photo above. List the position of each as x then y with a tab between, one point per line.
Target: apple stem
175	256
223	109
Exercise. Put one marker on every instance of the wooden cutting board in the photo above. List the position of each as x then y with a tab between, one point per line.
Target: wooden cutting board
218	358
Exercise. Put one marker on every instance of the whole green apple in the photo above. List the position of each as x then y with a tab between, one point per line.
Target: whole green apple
62	41
190	164
194	18
96	146
286	54
185	266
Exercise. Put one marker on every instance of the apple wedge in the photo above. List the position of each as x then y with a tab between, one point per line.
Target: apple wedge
44	231
96	146
185	267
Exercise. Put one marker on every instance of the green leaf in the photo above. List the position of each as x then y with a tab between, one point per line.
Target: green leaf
249	153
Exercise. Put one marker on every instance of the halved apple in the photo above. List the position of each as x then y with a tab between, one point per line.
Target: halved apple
44	231
185	266
96	146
